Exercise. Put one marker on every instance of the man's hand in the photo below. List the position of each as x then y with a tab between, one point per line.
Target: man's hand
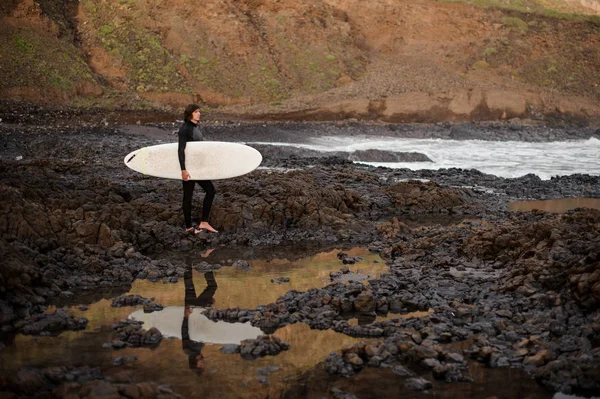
185	175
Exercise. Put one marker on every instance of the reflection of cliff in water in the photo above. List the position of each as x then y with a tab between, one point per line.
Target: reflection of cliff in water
555	206
376	383
226	255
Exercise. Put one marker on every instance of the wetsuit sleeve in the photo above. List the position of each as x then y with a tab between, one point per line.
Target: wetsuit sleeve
183	139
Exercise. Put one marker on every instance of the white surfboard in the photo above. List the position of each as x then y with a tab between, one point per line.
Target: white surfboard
204	160
201	328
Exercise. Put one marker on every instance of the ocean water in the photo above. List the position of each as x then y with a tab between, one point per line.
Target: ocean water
501	158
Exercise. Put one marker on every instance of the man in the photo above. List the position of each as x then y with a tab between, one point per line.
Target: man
189	131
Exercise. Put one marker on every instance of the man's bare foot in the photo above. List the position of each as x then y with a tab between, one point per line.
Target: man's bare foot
204	254
195	230
206	226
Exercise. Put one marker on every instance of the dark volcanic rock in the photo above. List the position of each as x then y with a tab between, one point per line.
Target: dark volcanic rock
54	323
521	286
387	156
135	300
279	156
264	345
75	382
130	333
524	287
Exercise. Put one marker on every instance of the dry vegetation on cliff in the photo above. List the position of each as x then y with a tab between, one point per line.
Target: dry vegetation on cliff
325	59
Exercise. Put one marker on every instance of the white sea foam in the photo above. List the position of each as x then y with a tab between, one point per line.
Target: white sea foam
500	158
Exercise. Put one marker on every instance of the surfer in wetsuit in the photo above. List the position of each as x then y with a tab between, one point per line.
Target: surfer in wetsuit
189	131
193	349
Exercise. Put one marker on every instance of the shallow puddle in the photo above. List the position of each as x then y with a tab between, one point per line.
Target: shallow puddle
259	284
224	375
555	206
229	376
377	383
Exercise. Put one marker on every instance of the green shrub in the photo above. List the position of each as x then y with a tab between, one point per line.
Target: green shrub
23	45
548	83
489	51
481	65
106	30
516	23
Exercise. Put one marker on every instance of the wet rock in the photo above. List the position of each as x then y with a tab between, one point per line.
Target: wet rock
539	359
335	365
354	360
8	316
402	371
23	381
339	394
418	384
241	264
78	382
346	275
118	344
393	350
118	361
230	349
430	363
132	334
262	379
152	307
387	156
54	323
364	302
264	345
262	371
231	315
450	373
348	260
135	300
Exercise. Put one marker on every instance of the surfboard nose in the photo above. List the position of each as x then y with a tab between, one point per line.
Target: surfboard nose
129	157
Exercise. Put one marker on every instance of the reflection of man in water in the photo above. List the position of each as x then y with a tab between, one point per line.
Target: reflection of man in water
193	349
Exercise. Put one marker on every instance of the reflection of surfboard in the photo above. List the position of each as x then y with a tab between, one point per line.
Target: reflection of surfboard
204	160
202	329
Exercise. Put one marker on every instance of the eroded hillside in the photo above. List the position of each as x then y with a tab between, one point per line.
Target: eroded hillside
322	59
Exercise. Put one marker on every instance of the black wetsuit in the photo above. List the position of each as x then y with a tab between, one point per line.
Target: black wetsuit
205	299
193	349
190	132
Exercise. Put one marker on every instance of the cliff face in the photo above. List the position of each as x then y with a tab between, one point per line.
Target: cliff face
321	59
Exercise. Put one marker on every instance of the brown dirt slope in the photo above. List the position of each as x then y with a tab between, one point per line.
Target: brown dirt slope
394	60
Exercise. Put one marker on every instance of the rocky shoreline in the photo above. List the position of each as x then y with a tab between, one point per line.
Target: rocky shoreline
522	287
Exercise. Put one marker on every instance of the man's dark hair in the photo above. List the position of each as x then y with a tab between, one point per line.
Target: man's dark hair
187	114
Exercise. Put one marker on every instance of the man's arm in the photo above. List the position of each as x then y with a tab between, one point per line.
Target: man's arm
183	138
